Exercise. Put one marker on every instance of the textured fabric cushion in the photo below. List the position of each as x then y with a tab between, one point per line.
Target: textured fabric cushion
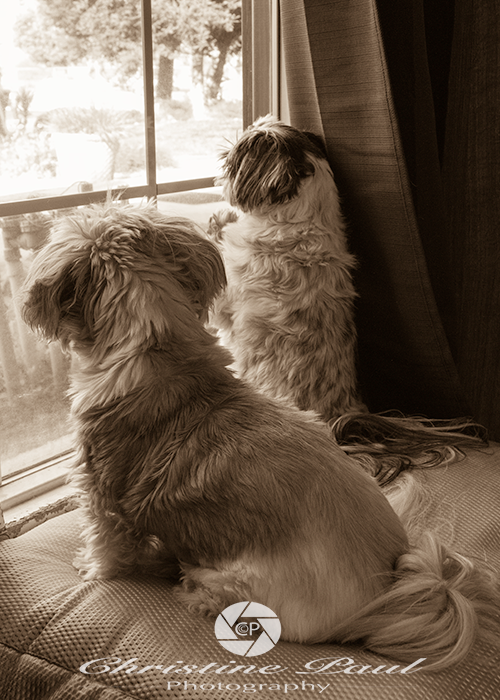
52	623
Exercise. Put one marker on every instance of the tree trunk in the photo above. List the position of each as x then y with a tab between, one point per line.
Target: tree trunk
215	80
165	81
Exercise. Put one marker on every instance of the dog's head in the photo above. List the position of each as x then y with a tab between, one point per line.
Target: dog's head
268	164
119	275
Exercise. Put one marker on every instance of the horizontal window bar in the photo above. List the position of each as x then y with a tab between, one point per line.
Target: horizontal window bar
29	206
185	185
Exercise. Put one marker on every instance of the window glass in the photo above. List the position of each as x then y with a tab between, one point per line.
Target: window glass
72	120
71	116
197	84
34	375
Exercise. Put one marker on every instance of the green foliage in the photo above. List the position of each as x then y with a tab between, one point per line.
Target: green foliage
28	147
27	151
121	131
67	32
49	39
22	103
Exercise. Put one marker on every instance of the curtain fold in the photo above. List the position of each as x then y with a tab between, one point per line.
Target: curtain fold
368	75
471	175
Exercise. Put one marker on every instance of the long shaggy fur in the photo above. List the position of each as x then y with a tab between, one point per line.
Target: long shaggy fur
182	464
287	311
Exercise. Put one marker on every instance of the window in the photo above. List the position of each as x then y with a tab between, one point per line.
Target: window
138	102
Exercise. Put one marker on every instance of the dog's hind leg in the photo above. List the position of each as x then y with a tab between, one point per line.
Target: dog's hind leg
207	591
308	609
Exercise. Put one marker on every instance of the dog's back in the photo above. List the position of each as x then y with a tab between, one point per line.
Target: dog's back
287	312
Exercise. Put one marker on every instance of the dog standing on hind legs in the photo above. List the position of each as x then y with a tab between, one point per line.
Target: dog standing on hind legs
287	311
181	462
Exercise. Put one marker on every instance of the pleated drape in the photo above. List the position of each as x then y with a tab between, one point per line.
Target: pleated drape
371	77
471	176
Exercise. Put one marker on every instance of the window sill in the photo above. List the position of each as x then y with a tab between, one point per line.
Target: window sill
24	493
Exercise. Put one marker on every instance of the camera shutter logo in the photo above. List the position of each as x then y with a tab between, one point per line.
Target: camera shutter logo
238	634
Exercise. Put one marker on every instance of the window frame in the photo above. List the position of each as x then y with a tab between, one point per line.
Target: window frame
152	188
261	95
261	59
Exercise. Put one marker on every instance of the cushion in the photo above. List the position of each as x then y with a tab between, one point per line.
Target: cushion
65	639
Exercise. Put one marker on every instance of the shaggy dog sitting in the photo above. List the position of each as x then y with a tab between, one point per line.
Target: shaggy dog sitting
287	311
181	461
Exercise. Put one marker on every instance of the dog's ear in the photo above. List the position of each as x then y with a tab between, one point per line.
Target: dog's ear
256	172
317	144
193	259
267	165
54	295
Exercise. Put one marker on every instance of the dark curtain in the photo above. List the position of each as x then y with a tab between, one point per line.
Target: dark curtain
407	97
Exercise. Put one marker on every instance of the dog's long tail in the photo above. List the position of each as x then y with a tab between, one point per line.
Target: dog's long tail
439	604
388	445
